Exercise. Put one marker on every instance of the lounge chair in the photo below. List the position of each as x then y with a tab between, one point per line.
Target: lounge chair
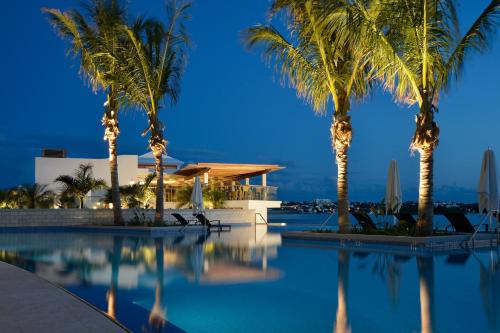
459	222
210	225
406	217
182	220
365	221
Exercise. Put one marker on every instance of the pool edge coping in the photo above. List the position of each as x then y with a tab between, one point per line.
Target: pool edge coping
75	297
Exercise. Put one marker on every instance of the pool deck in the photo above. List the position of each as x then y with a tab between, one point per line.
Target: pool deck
407	243
32	304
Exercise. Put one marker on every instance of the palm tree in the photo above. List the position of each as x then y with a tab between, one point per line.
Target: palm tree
415	49
3	198
81	183
136	195
11	198
320	65
154	65
95	38
36	196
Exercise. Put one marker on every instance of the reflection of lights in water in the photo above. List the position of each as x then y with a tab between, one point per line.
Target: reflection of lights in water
341	322
111	298
426	283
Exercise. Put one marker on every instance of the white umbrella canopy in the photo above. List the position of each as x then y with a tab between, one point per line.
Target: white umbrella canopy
393	196
197	197
487	189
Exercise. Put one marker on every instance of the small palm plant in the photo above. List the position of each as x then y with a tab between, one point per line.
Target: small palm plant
36	196
95	36
322	66
415	49
136	195
81	183
153	68
11	198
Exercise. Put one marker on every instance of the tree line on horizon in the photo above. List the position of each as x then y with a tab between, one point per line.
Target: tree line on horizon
332	52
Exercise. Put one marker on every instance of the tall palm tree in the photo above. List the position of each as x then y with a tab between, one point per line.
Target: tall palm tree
321	65
154	67
415	48
81	183
36	196
95	37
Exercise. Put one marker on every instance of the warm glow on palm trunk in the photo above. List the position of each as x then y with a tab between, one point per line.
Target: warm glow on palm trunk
343	206
425	200
159	186
115	186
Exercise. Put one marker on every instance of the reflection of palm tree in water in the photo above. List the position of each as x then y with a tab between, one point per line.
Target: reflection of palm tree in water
425	267
489	283
157	317
388	268
115	269
341	322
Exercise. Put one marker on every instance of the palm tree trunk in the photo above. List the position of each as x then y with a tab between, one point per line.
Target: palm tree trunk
111	132
425	193
425	140
341	133
342	188
81	202
158	154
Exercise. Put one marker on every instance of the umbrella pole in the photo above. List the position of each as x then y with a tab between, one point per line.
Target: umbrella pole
498	235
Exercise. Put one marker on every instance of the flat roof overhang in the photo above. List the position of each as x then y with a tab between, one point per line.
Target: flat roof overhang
231	171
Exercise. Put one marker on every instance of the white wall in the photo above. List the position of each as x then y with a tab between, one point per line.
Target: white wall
66	217
259	206
47	169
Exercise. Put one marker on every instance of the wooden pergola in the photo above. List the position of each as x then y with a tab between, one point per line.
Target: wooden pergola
226	171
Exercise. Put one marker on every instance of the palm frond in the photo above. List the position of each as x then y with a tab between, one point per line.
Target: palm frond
477	39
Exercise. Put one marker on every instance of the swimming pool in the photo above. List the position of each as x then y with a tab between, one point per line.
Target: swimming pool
250	280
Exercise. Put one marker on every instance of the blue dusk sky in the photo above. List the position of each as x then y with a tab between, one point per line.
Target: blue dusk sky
233	110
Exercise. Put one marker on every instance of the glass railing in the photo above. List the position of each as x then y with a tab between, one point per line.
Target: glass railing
249	192
235	192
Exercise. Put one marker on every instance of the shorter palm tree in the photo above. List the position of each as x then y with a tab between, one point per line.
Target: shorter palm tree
11	198
136	195
152	68
81	183
36	196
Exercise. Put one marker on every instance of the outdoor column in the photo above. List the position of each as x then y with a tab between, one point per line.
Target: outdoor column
246	192
205	178
264	185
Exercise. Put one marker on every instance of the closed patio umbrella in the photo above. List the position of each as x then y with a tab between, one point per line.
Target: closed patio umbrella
197	197
393	196
487	189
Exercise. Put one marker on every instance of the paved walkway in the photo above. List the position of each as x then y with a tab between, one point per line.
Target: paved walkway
31	304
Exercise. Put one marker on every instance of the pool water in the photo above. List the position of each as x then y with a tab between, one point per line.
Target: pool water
251	280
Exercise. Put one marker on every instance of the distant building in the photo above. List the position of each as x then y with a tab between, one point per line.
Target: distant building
232	179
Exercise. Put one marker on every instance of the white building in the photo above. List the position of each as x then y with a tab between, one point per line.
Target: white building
230	178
